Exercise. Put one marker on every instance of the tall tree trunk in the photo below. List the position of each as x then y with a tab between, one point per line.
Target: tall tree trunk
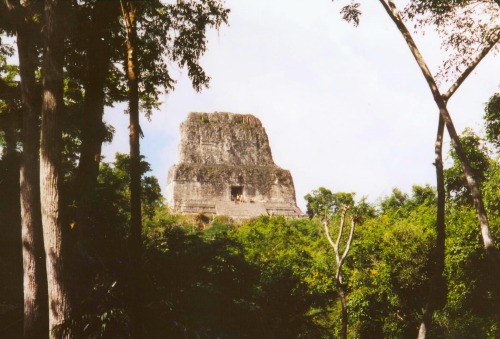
135	240
437	285
93	130
50	160
492	252
34	272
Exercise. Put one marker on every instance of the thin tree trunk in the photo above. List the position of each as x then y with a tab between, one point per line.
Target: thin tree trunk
342	294
339	259
34	273
50	159
93	130
135	240
437	285
492	252
437	288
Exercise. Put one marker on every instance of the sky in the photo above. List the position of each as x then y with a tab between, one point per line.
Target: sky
344	107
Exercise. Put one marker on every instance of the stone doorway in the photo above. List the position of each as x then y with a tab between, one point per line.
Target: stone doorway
236	191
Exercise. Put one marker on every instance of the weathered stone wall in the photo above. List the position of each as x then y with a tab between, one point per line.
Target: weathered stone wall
224	138
221	152
259	183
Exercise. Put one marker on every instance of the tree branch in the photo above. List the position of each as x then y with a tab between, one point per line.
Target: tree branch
488	243
341	228
346	251
470	68
443	111
327	231
340	260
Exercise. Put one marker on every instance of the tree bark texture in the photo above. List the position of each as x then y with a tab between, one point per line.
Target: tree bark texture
93	129
35	277
135	240
492	252
50	159
342	294
34	273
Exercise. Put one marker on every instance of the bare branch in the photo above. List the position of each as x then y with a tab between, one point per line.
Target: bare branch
339	261
327	231
349	241
346	251
341	228
470	68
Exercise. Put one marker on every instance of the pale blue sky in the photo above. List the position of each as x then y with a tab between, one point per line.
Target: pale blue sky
345	108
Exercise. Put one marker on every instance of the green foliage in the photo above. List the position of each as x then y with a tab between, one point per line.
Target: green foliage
492	120
491	189
388	267
401	204
152	199
395	202
101	281
268	278
477	154
273	277
322	202
168	34
111	205
469	311
362	211
294	276
199	284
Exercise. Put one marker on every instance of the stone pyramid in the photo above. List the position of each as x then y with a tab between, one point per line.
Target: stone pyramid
225	166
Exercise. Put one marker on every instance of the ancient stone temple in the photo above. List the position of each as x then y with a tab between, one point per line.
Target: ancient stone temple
226	167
